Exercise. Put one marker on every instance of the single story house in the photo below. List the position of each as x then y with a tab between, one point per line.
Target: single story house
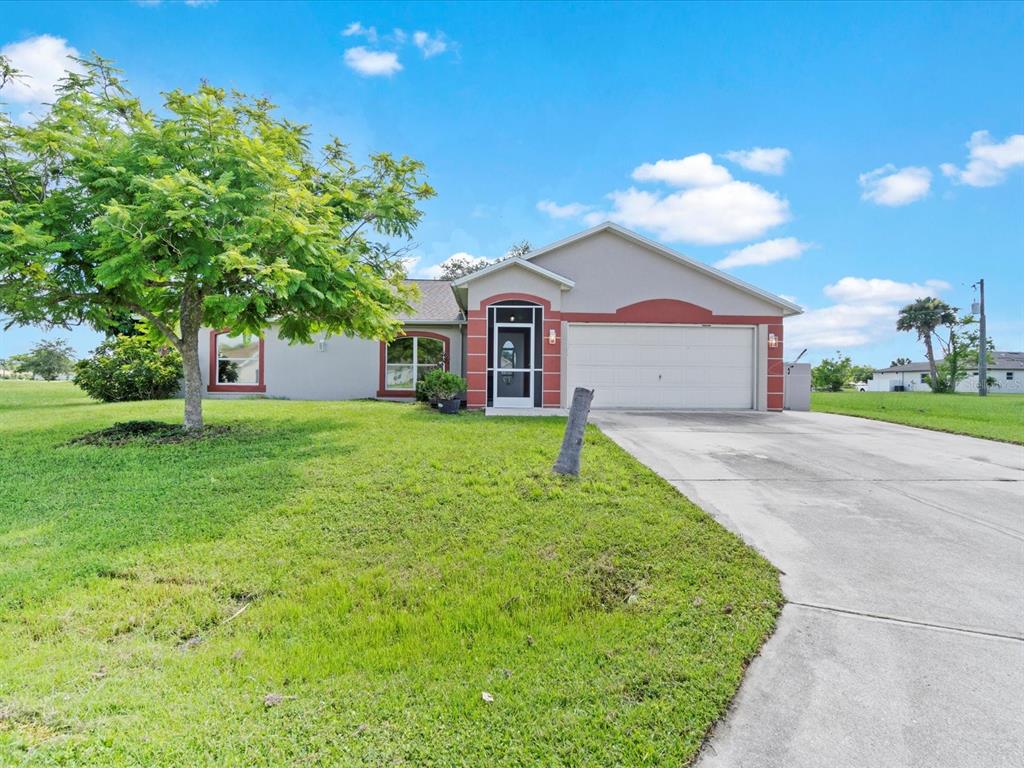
1007	368
642	325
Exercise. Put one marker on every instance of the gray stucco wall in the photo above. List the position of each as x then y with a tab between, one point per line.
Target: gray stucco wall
611	272
346	369
514	279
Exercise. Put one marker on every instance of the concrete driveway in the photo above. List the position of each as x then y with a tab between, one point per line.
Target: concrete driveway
902	554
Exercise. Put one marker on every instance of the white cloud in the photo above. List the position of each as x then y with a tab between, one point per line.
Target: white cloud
988	161
840	326
356	28
372	63
760	159
888	186
766	252
433	271
865	312
872	290
430	45
567	211
727	213
42	62
693	171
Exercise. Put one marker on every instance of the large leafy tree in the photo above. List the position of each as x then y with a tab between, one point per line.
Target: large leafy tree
48	359
210	212
925	317
831	375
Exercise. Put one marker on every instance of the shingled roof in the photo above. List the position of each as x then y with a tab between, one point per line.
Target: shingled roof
436	305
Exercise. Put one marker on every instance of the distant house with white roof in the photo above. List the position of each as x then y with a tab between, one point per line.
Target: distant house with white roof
1007	368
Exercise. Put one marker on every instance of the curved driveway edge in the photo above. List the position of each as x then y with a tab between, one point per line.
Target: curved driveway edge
902	552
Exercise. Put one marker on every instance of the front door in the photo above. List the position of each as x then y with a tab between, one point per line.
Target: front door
513	367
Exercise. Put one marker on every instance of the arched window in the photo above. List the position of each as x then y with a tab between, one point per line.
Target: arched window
408	359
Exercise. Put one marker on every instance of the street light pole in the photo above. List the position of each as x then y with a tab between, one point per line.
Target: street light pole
982	344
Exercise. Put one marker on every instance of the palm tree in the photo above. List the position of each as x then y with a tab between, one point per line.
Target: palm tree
925	316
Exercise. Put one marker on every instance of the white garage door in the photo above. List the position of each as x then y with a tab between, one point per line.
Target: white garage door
662	366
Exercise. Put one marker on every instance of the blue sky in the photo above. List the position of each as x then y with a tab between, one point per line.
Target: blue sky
535	120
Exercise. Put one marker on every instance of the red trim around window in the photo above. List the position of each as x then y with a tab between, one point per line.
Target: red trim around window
213	386
382	382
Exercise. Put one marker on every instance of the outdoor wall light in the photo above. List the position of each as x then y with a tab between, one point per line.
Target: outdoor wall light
552	338
773	341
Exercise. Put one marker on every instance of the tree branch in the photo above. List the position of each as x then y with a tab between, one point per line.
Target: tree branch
160	324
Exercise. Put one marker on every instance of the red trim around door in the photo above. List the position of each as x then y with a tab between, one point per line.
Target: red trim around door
213	386
382	372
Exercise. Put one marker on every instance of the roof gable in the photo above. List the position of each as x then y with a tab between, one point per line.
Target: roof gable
515	261
788	307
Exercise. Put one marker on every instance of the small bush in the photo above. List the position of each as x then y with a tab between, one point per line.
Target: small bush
440	385
129	368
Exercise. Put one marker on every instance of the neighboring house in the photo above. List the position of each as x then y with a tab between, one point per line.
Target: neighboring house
642	325
1007	368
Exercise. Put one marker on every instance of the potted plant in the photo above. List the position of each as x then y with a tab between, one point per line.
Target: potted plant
444	388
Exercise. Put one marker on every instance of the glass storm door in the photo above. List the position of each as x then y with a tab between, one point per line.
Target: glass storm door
513	366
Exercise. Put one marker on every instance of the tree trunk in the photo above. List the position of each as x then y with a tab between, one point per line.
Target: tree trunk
191	320
193	381
933	381
568	462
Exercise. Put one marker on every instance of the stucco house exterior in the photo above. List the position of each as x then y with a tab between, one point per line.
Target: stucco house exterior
1007	368
642	325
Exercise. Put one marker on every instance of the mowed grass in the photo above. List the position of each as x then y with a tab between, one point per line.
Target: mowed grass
391	565
996	417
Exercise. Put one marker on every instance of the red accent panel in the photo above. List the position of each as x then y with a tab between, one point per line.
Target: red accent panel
552	361
552	380
774	367
485	303
477	380
552	400
213	386
666	311
775	402
476	346
476	399
382	390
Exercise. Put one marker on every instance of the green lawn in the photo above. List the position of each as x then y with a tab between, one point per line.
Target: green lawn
393	564
996	417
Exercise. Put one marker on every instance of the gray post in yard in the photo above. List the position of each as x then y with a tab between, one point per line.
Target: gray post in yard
568	462
982	345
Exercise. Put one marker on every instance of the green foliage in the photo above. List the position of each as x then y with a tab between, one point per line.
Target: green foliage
459	266
961	353
49	360
862	372
130	368
832	374
211	211
392	565
924	317
440	384
900	361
